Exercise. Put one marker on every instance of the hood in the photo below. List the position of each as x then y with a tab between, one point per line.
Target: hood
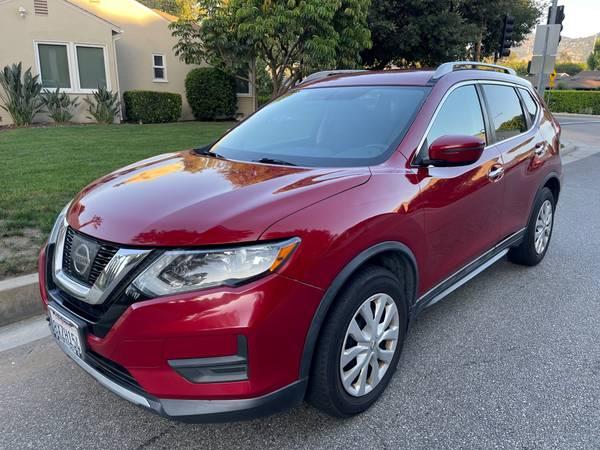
184	199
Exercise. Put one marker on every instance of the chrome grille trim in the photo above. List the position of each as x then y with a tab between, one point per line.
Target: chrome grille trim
113	273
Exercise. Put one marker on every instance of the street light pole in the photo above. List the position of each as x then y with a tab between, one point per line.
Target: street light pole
542	80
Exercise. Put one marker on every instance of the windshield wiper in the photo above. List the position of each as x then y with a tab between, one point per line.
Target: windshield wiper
205	151
279	162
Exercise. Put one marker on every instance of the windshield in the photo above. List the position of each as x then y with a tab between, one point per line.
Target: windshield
326	127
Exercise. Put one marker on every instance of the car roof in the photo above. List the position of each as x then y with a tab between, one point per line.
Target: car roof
407	78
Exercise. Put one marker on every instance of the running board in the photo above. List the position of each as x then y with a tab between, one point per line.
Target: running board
467	273
468	277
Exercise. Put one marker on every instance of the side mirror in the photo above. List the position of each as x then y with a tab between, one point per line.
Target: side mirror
455	150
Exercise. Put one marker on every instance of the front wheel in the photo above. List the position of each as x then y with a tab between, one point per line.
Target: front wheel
360	344
538	233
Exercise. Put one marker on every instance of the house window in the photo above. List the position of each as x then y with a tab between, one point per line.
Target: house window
54	65
75	68
90	64
159	67
242	87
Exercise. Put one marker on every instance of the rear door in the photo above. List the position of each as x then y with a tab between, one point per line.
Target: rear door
513	121
463	205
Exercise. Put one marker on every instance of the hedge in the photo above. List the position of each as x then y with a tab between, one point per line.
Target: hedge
578	102
211	94
152	107
263	100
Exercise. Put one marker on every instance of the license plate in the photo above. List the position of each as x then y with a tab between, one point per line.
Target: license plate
66	332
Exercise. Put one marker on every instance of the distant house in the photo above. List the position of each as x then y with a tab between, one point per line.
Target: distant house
586	80
78	45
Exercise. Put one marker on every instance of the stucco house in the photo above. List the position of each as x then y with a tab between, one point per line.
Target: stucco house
78	45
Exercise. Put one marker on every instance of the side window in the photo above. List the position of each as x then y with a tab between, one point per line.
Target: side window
505	110
530	104
460	114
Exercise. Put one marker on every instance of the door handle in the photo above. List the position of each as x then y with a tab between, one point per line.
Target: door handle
540	149
496	172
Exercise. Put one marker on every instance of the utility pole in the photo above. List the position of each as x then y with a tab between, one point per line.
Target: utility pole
541	87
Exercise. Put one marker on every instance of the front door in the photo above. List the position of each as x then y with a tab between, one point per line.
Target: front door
463	205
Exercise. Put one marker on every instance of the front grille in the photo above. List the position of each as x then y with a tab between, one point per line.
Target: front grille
103	257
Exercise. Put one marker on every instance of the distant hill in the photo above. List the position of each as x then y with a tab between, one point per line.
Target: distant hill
569	49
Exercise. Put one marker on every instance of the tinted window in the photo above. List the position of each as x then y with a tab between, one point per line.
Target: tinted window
505	109
341	126
530	103
459	115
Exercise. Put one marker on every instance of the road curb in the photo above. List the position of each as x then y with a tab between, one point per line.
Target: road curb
583	116
19	299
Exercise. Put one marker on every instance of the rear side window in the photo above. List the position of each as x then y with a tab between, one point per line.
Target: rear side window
460	114
530	104
505	109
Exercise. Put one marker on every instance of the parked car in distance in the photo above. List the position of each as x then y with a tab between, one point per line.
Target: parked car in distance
285	261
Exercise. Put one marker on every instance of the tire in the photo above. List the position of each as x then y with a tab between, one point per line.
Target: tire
528	253
376	287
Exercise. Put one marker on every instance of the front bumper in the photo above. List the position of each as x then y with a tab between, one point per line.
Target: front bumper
272	315
195	411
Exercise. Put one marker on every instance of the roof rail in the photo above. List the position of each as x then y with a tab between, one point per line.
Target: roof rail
329	73
448	67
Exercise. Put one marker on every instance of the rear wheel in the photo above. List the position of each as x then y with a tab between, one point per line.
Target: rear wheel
360	344
539	231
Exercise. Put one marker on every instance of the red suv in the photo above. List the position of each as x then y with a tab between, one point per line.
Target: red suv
286	260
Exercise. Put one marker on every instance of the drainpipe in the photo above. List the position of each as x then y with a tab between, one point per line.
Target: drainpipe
115	37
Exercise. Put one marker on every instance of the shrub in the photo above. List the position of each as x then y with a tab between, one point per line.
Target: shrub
579	102
104	107
59	105
571	68
21	98
263	100
211	93
152	107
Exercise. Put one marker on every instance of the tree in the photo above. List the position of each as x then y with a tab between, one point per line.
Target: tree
406	32
487	17
593	60
185	9
292	37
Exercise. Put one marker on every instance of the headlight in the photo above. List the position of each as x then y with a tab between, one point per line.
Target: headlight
58	224
187	270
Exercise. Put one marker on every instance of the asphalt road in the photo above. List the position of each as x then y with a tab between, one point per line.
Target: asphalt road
512	359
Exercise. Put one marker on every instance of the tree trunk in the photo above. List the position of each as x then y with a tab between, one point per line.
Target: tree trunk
477	55
275	86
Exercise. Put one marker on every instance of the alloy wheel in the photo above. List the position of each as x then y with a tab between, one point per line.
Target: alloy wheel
369	345
543	227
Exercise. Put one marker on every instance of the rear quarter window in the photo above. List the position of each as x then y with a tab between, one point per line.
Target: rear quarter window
531	105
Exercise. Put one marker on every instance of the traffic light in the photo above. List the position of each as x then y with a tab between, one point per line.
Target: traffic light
507	32
560	16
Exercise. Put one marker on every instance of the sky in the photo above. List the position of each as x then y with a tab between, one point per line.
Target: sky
582	17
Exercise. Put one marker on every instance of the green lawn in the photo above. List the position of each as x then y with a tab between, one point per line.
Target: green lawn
41	169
